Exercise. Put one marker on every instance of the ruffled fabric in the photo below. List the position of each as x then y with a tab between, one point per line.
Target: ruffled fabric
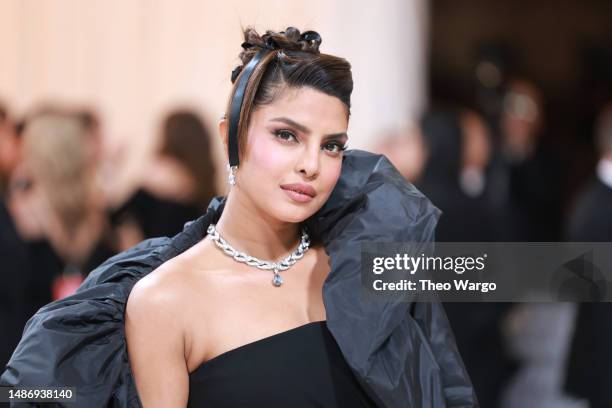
403	353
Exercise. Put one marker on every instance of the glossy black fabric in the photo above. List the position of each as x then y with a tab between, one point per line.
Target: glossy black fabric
299	368
402	353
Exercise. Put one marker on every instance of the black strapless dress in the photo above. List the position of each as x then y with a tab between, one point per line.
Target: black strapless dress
301	367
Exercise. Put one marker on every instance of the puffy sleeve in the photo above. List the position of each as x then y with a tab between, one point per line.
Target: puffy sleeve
80	342
404	352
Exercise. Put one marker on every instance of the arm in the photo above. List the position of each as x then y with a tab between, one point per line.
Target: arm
155	344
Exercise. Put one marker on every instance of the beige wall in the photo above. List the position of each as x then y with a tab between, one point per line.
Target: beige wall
133	60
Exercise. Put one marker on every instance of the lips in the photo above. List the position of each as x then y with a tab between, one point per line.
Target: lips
300	188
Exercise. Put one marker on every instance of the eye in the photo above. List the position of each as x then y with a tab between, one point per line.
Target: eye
334	147
285	135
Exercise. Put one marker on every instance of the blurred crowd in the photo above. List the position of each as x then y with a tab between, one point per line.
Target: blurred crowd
57	222
489	168
486	166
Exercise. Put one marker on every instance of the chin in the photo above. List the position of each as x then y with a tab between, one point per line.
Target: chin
293	213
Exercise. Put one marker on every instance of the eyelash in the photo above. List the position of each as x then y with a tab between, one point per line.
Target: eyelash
338	145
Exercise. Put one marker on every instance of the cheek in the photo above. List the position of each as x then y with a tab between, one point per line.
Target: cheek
266	157
330	177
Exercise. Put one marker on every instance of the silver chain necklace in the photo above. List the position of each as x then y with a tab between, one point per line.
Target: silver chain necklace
276	267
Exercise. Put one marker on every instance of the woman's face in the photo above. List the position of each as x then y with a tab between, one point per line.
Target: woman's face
293	154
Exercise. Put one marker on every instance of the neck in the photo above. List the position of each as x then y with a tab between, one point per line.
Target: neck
250	230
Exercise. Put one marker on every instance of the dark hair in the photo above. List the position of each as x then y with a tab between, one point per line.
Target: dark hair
185	138
294	62
3	113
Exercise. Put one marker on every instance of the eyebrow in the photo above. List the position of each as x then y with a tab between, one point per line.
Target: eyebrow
304	129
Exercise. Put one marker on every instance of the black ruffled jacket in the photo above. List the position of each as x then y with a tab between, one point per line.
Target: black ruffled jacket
402	353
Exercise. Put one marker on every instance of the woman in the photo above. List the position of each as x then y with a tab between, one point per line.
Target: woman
57	204
175	187
204	329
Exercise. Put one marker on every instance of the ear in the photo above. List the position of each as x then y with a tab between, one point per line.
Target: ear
224	135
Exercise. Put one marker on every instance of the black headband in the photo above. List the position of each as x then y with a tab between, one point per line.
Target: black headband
236	106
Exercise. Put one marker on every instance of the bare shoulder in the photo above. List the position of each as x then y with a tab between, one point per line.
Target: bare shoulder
168	285
155	335
151	313
158	292
168	294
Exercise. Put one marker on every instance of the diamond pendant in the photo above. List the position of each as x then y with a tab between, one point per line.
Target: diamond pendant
277	280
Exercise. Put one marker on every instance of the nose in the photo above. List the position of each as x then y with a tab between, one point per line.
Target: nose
308	163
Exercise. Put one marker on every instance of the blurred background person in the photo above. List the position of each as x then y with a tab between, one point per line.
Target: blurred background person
9	149
476	154
175	187
454	177
14	262
589	370
58	206
458	145
94	138
527	180
591	219
493	64
526	174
